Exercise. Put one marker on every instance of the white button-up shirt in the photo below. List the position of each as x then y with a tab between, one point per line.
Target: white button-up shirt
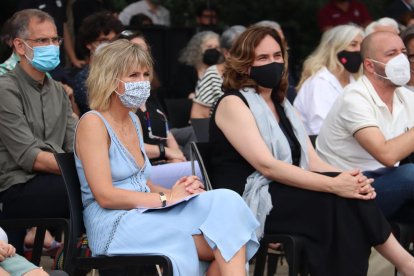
316	97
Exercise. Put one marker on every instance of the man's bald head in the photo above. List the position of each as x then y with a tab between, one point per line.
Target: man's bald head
375	42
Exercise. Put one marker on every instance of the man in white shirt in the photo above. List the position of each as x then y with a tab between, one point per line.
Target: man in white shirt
151	8
371	125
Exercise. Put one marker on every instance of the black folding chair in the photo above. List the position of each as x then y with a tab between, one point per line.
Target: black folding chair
201	128
403	232
199	155
178	111
74	264
41	224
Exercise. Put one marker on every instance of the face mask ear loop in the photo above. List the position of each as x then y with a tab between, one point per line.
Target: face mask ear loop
375	73
117	91
27	45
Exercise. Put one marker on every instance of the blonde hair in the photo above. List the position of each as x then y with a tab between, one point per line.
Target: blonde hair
108	65
332	42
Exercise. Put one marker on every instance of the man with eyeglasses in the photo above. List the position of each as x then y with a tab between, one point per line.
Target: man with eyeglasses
96	29
58	10
35	122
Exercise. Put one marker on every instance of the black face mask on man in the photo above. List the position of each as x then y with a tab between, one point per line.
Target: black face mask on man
211	56
268	75
350	60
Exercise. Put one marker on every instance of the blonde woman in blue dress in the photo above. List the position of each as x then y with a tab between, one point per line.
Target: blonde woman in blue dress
215	226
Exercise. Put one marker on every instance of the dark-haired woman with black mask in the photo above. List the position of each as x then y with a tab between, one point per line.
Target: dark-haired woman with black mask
260	149
335	63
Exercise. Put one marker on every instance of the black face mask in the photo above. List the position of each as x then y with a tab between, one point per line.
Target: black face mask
268	75
350	60
211	56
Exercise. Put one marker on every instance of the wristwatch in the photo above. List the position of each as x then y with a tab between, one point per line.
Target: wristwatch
163	199
162	151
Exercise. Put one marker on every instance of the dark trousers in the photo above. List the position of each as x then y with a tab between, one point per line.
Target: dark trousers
338	232
395	191
43	196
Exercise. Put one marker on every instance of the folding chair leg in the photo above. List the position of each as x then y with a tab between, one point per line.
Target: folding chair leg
293	258
38	245
272	260
260	260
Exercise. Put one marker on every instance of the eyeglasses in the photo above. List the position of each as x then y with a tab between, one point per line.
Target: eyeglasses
127	33
47	40
164	118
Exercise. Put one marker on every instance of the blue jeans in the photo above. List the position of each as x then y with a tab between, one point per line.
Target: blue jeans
395	191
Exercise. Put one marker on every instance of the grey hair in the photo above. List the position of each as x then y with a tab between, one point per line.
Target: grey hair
192	54
269	23
384	21
18	24
229	36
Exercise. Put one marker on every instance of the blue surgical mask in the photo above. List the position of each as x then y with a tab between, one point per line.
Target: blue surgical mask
45	58
136	94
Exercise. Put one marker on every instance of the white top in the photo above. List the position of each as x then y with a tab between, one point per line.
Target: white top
161	16
359	107
208	89
3	236
316	97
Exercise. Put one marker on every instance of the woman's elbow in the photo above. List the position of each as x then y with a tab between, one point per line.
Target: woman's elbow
104	201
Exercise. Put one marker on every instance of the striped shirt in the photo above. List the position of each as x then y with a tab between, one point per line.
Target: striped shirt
208	89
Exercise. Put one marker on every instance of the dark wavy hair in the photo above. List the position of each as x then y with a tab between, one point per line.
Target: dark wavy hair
95	24
242	56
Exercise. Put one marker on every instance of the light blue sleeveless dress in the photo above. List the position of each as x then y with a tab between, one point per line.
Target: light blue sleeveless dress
221	215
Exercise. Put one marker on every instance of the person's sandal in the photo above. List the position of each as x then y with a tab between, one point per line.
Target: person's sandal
50	251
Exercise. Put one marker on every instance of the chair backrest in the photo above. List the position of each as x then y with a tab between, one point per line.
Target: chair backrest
201	129
66	162
178	112
200	153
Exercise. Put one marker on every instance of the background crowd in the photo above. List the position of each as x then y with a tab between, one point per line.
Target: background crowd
300	54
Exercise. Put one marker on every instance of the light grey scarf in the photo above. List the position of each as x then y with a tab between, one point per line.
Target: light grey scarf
256	193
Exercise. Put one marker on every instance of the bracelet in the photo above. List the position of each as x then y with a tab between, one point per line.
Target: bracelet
163	199
162	151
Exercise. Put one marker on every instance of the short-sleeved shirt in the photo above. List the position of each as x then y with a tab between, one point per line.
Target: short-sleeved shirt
208	89
316	97
330	15
359	107
34	117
